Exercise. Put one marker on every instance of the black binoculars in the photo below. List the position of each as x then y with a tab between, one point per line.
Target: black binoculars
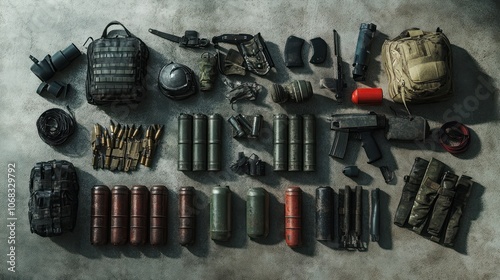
47	68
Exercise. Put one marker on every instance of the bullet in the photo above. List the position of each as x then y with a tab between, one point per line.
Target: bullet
139	208
324	213
280	141
99	215
220	214
214	142
185	143
187	216
295	143
199	142
309	138
120	201
257	213
158	209
293	216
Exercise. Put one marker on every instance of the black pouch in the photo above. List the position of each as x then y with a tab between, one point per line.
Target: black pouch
116	70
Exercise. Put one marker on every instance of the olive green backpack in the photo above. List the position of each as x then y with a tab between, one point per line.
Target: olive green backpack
419	66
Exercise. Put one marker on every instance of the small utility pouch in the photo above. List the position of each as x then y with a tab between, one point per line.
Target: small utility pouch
407	129
116	70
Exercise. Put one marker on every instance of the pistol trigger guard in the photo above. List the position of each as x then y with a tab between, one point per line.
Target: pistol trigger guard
319	50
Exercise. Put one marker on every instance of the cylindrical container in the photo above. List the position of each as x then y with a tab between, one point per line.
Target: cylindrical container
244	123
238	130
324	213
187	216
367	96
293	216
158	207
220	214
99	215
199	142
256	126
309	138
280	142
257	213
295	143
139	208
185	143
120	207
214	142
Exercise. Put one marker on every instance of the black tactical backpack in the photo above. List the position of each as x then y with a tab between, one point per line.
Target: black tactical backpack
53	200
116	68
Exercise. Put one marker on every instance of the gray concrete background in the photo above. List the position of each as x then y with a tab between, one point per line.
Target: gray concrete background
43	27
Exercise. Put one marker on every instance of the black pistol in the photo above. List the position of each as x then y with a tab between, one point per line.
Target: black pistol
361	124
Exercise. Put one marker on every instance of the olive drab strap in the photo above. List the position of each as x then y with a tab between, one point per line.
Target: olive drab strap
116	68
53	200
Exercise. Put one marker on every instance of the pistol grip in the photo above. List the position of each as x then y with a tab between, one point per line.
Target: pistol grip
371	149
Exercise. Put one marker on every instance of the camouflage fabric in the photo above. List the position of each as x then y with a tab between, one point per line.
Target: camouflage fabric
444	199
463	188
426	195
419	66
410	189
208	71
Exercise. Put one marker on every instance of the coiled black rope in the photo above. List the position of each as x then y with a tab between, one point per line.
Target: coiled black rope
55	126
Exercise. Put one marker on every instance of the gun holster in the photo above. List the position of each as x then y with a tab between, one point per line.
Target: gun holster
253	49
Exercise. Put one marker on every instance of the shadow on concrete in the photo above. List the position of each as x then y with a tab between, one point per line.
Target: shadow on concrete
308	218
471	212
202	206
78	241
78	145
474	94
276	225
375	66
385	225
279	74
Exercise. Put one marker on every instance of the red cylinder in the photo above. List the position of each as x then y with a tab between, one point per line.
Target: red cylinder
367	96
293	216
99	215
158	215
139	207
120	201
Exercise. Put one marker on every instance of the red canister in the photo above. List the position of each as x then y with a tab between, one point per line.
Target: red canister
293	216
139	208
367	96
158	215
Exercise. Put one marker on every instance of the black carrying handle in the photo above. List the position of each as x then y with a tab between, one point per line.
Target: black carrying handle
115	22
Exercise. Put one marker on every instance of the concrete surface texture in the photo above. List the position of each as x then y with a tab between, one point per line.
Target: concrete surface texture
44	27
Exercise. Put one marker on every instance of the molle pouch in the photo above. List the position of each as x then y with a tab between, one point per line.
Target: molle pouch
463	188
116	71
444	199
257	57
426	195
410	189
407	129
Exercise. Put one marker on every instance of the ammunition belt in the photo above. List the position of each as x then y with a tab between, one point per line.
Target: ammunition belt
454	137
55	126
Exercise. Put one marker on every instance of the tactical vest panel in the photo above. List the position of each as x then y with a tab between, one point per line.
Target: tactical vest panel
116	69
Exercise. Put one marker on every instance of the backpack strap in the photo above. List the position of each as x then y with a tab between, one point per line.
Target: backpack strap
114	22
